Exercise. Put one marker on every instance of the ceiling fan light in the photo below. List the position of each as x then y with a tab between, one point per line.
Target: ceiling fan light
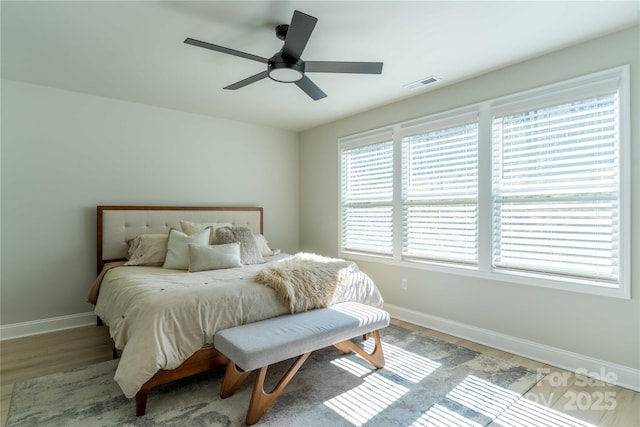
284	72
285	75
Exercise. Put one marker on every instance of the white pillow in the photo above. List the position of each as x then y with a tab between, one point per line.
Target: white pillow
263	246
193	227
178	247
148	249
214	257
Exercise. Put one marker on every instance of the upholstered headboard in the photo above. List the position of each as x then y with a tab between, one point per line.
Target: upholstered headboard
117	224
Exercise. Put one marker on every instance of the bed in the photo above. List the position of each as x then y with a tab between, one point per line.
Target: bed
163	320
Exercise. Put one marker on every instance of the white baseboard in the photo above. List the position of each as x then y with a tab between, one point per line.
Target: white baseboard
42	326
625	376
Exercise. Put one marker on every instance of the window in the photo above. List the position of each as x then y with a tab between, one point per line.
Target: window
440	191
556	190
367	195
532	188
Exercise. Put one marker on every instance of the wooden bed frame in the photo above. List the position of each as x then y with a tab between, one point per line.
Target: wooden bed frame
208	357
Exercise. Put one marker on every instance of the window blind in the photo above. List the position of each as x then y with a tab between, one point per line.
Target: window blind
556	202
367	198
531	188
440	194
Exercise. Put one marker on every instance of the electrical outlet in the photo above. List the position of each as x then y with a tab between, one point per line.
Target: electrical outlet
403	284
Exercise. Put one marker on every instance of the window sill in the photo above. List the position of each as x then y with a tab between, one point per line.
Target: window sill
578	286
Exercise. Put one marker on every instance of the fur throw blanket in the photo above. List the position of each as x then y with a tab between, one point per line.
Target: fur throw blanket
305	281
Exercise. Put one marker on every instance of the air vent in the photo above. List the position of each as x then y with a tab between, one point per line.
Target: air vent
422	82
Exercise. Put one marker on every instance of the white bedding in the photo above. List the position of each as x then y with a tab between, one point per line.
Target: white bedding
160	317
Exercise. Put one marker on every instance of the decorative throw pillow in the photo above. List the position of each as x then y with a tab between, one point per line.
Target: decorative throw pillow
249	252
263	246
190	228
214	257
148	249
178	247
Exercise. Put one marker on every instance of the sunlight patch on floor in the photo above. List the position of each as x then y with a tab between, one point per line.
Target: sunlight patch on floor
408	365
483	396
362	403
352	366
441	416
376	393
531	414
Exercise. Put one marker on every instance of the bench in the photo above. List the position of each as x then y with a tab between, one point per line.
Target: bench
258	345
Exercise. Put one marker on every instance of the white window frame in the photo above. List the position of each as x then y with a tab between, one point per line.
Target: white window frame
561	92
454	120
378	136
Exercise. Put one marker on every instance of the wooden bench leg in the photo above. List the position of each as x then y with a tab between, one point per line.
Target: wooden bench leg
233	378
376	358
260	399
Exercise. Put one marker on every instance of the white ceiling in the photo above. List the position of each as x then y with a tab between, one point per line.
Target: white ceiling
134	50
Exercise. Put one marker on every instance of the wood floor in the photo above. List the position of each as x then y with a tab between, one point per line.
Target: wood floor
561	396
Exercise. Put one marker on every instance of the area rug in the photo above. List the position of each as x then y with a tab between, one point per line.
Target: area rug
426	381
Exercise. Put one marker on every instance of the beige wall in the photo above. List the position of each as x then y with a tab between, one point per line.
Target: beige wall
63	153
602	328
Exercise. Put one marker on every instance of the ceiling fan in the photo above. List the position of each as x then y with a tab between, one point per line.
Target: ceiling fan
287	66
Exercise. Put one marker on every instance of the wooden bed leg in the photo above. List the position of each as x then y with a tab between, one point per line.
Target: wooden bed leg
261	400
141	402
376	358
233	378
99	321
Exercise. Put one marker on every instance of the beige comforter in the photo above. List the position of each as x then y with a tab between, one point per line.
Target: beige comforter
160	317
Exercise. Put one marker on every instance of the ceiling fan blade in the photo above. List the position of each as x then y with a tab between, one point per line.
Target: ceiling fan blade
298	34
343	67
227	50
247	81
310	88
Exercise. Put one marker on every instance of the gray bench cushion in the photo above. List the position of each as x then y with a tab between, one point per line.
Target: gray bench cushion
263	343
